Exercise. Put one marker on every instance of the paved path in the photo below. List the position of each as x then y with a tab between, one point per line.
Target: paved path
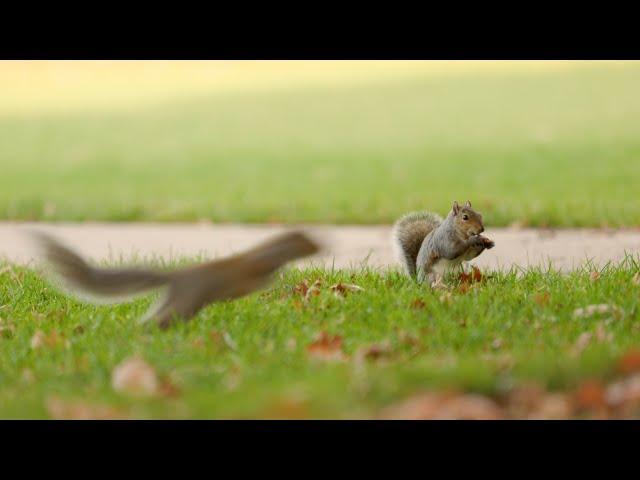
345	245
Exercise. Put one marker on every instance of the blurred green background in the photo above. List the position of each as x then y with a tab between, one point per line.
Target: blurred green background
537	143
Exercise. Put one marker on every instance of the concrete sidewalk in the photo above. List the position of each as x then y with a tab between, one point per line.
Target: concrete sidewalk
346	246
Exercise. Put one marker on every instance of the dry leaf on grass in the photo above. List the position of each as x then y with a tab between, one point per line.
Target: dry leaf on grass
52	340
590	395
326	347
136	377
629	362
552	406
342	289
474	276
542	299
591	310
625	392
66	410
373	352
444	405
418	304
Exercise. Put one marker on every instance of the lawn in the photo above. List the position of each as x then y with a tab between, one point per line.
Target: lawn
261	357
538	146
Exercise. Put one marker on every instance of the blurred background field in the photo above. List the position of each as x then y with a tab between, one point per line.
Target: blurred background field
538	143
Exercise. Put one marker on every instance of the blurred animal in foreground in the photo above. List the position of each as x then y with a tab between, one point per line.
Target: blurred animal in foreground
187	290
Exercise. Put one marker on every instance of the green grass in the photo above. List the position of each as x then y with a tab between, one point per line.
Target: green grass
493	336
547	148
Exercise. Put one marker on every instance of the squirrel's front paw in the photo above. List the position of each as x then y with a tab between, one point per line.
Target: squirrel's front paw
486	243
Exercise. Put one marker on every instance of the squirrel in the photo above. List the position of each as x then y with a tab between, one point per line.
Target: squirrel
187	290
429	246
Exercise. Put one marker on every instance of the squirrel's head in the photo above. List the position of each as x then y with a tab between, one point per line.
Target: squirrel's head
466	220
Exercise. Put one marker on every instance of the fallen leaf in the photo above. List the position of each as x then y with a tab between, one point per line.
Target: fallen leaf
168	389
471	407
418	304
552	406
326	347
541	299
301	288
629	362
287	409
313	290
444	405
373	352
136	377
407	338
477	275
592	310
65	410
624	392
52	340
590	395
341	289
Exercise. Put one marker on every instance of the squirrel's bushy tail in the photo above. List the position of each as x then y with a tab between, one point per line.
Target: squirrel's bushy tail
96	284
407	236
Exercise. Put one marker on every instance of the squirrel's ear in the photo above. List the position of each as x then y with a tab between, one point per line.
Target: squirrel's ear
456	208
467	204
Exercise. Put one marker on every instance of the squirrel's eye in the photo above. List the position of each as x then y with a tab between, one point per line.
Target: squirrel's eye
465	217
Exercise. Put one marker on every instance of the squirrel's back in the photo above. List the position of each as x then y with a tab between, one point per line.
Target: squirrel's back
407	236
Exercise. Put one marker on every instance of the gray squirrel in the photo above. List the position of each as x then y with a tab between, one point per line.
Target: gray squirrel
429	246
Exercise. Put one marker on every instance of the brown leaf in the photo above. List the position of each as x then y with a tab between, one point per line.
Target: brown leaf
341	289
595	276
52	340
590	396
553	406
625	392
136	377
374	352
65	410
468	278
418	304
287	409
541	299
477	275
465	277
444	405
301	288
168	389
326	347
629	362
591	310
